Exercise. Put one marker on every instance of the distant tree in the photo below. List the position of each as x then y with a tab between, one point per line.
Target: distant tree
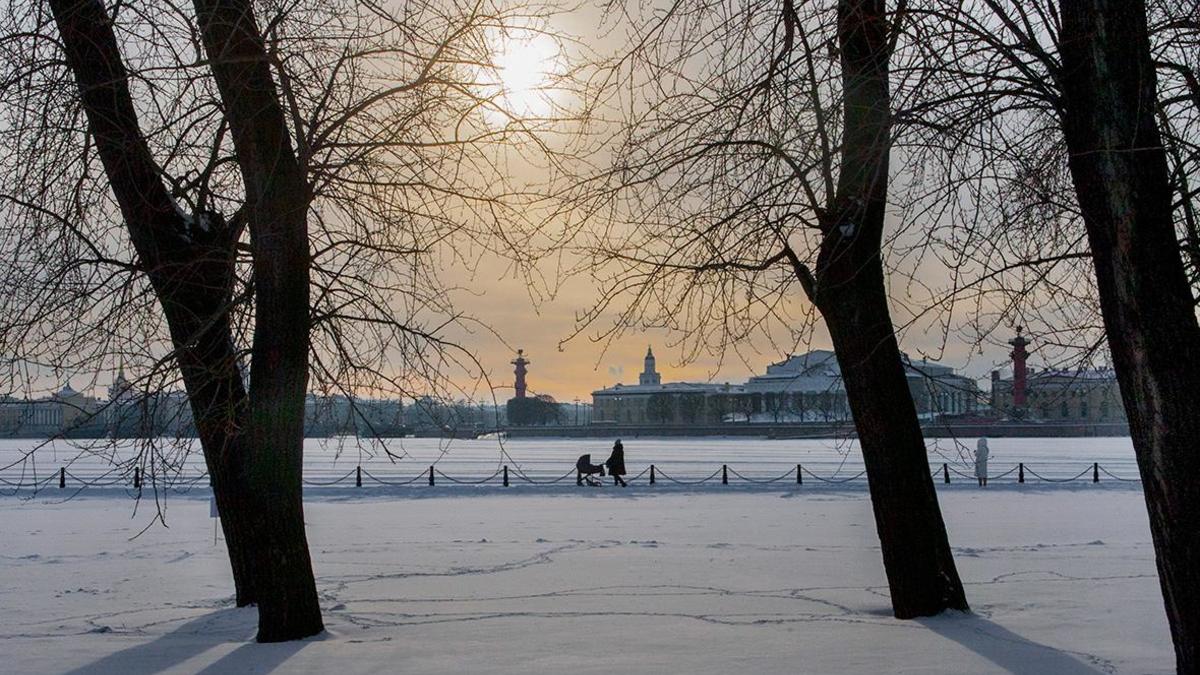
534	411
661	408
692	407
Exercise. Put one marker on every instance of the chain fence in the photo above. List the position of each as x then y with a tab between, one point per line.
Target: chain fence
505	474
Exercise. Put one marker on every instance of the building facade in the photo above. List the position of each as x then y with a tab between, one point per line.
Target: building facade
1082	396
652	402
1079	396
64	412
801	388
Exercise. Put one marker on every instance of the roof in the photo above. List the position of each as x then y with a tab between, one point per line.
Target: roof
669	387
1064	378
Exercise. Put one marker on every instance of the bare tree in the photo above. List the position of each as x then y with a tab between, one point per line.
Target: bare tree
1085	112
1120	170
277	178
730	179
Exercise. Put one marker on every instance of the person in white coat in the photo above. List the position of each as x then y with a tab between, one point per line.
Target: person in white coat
981	459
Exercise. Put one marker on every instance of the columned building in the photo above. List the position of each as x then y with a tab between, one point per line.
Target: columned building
801	388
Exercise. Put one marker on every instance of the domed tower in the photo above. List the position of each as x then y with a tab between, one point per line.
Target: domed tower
121	387
649	375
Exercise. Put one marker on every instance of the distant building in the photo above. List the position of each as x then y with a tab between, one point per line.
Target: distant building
64	412
1086	395
1062	396
801	388
652	402
809	388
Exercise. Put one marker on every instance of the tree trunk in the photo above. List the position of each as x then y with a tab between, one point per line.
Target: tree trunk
277	199
849	291
1119	169
191	271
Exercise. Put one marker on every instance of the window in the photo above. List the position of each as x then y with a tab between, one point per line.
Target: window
1083	409
1065	410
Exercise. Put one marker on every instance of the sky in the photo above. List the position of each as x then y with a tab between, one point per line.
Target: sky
582	365
575	368
570	369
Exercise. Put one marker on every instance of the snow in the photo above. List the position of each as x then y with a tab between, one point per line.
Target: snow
712	579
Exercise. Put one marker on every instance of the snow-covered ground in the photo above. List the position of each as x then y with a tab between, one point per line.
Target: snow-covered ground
714	579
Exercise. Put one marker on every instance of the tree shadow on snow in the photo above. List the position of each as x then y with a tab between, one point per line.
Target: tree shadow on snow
193	638
1006	649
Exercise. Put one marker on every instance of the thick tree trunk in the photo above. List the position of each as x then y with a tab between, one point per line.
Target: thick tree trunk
1120	173
191	271
218	400
849	291
277	199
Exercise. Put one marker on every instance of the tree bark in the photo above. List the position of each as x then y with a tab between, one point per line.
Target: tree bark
849	291
277	199
1119	169
190	269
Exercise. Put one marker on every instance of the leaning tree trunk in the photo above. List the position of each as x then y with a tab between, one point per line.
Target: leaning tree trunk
277	199
1120	173
849	291
190	269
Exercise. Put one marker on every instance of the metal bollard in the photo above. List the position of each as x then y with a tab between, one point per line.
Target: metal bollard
137	477
1095	472
799	475
1021	472
430	474
652	474
358	476
724	474
505	475
62	477
945	473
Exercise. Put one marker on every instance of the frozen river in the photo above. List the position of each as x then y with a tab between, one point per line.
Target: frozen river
539	460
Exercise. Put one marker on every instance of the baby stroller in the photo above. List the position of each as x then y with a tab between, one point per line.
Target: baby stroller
584	470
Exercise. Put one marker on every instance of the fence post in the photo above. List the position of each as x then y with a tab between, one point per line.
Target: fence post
431	474
1095	472
137	477
652	474
1021	472
505	475
945	473
62	477
724	474
358	476
799	476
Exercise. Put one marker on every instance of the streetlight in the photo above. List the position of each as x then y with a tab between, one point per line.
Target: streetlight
576	411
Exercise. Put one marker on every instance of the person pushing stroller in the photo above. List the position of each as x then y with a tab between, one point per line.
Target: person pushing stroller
616	464
584	469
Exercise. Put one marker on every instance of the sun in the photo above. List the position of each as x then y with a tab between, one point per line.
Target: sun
525	67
